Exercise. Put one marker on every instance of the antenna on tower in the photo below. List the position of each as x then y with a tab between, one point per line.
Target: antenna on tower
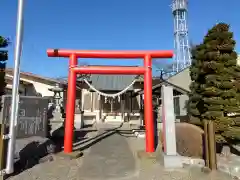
182	56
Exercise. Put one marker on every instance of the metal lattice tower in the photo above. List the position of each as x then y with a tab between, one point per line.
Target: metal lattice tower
182	57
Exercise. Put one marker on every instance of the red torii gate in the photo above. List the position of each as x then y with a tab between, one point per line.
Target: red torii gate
145	70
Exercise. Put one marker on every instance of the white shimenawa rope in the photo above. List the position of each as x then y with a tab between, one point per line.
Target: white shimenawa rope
110	95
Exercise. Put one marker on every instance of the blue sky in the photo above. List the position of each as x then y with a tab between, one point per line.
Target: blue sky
105	24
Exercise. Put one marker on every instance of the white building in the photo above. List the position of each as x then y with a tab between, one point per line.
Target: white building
31	84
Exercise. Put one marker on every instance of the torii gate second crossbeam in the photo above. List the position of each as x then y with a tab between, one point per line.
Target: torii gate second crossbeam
145	70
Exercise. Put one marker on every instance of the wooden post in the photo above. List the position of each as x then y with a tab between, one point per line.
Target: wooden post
212	146
2	150
206	146
122	107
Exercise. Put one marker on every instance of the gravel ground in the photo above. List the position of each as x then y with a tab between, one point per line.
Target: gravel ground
113	158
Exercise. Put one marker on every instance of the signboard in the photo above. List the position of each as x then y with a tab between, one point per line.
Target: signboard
32	116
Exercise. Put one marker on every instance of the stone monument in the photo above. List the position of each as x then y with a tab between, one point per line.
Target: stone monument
171	158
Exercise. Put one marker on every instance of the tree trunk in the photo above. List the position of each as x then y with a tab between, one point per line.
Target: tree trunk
206	147
212	146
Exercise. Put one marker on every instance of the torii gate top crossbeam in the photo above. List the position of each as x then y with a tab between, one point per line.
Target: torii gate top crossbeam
109	53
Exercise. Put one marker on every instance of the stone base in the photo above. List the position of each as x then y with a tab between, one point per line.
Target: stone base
146	155
139	133
70	156
206	170
172	161
47	158
193	161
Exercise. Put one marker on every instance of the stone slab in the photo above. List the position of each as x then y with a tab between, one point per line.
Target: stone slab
142	154
193	161
229	164
69	156
109	158
172	161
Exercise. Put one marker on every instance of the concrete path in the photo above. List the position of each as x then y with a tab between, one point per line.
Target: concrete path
109	158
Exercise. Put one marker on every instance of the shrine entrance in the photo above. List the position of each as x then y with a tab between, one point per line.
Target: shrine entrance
112	109
74	69
114	97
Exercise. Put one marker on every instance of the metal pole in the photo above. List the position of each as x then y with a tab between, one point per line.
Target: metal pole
15	95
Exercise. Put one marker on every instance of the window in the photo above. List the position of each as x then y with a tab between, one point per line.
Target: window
9	91
176	104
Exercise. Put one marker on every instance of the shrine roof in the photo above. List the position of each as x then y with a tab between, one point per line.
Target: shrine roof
112	82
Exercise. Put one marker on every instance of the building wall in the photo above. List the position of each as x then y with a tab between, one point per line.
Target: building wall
238	60
91	104
182	79
9	88
179	107
35	87
183	101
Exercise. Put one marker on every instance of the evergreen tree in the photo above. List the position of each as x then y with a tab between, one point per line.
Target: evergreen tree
3	58
215	87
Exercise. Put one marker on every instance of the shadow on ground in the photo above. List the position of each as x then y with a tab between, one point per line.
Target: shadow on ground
113	153
36	150
32	151
109	157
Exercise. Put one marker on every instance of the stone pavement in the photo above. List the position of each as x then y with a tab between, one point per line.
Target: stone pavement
113	157
108	159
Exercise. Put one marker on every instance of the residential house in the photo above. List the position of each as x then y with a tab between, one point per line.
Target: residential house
180	83
32	84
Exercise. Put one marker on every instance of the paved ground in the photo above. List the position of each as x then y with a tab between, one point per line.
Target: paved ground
112	157
108	159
